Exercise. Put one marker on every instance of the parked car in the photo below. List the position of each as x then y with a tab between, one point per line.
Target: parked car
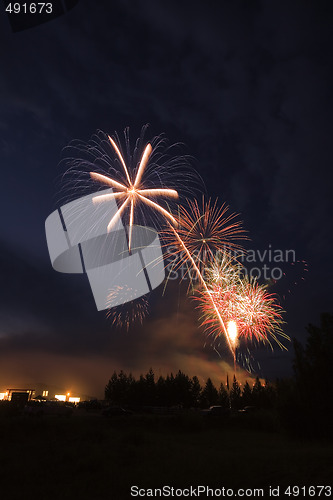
57	408
217	411
91	405
33	408
248	409
115	411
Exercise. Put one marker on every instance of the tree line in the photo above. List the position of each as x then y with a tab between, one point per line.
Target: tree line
186	392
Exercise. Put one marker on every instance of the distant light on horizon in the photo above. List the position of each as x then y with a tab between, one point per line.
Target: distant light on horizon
60	397
74	400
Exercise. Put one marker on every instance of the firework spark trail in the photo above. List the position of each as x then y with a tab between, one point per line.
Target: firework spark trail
201	233
115	147
132	191
200	277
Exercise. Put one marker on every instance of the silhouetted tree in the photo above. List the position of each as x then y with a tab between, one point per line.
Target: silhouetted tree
257	393
142	396
145	390
161	392
182	388
209	394
119	388
110	387
247	398
313	367
169	388
305	404
269	396
235	394
223	396
150	385
313	363
195	391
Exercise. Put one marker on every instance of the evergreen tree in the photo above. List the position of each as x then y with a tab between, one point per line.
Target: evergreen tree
235	394
182	387
314	374
170	390
257	393
110	387
119	388
150	392
195	391
223	396
209	395
161	393
141	393
247	398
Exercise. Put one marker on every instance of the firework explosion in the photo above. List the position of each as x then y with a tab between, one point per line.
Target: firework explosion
204	231
132	191
129	313
224	271
251	313
146	178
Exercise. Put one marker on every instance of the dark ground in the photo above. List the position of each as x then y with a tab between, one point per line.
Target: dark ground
91	456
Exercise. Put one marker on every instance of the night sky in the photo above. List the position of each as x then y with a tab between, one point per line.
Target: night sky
246	86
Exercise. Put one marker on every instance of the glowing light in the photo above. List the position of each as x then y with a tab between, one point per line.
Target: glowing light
74	399
60	397
232	331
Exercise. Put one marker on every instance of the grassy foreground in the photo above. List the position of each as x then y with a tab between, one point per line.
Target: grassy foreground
91	456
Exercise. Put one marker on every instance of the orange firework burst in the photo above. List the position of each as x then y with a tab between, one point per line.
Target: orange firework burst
205	230
132	191
255	314
259	313
146	179
225	271
128	314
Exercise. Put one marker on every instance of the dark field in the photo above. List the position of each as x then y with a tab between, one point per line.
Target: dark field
91	456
